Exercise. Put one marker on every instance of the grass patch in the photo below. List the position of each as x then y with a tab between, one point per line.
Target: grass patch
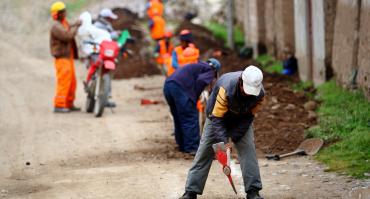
220	32
76	5
269	64
344	118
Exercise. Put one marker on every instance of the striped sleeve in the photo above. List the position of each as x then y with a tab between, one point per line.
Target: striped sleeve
220	107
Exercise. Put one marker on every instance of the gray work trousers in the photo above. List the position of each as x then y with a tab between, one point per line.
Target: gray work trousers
245	147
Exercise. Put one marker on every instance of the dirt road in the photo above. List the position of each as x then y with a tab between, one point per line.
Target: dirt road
126	154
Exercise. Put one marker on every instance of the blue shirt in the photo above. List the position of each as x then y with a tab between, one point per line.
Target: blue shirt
193	78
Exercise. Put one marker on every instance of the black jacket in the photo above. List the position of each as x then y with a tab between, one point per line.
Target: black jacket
230	112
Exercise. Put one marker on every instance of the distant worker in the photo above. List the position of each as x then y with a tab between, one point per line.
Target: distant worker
104	21
234	101
157	26
154	7
63	49
290	63
178	58
163	52
182	91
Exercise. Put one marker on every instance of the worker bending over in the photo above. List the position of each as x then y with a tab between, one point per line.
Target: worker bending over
230	110
182	91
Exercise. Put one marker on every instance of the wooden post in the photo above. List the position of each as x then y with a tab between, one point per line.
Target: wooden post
230	24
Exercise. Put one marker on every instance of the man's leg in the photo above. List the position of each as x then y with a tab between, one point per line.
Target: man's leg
73	85
248	162
188	116
199	170
167	90
64	81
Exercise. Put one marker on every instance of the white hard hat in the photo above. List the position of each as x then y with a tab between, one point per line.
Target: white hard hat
106	12
252	80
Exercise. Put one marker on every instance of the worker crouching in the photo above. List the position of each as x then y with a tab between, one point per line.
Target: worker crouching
182	90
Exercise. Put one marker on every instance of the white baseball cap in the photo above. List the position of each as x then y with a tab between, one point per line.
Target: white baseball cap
106	12
252	80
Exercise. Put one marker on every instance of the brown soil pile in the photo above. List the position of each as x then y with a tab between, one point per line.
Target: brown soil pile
139	63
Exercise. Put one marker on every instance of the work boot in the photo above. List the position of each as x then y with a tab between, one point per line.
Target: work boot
253	195
74	108
189	195
61	110
110	104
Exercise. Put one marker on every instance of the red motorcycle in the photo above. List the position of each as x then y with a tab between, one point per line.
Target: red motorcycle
98	85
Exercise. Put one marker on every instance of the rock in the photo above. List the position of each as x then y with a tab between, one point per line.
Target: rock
367	174
275	107
310	105
274	100
312	115
265	165
290	107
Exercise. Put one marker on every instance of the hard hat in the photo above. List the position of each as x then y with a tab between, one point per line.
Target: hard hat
189	52
185	32
185	35
168	34
214	63
57	6
252	80
107	13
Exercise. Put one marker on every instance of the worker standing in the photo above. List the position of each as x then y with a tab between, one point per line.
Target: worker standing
182	91
63	49
230	112
157	26
154	7
163	51
178	58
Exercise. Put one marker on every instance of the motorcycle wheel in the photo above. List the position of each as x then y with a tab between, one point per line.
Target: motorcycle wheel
103	93
90	101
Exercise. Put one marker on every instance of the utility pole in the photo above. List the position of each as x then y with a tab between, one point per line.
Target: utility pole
230	23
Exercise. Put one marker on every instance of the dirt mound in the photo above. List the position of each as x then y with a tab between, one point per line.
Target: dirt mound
280	125
139	63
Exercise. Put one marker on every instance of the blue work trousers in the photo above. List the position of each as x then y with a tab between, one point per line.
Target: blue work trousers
185	117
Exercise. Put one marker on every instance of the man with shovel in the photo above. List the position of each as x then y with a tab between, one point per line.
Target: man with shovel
230	112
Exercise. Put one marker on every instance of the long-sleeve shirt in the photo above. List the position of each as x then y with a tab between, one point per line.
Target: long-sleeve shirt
231	113
193	78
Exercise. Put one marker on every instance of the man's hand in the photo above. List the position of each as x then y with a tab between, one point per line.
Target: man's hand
229	146
78	23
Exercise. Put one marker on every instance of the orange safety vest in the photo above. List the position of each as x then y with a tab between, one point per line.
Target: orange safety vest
164	50
158	29
181	60
156	8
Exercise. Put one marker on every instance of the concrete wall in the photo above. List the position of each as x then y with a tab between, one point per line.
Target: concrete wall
302	39
363	77
284	25
318	42
345	35
270	34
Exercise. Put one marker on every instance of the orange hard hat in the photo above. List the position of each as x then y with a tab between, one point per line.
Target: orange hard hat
189	52
185	32
168	34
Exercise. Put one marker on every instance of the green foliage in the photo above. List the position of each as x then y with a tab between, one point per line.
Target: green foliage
269	64
220	32
344	120
76	5
302	86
